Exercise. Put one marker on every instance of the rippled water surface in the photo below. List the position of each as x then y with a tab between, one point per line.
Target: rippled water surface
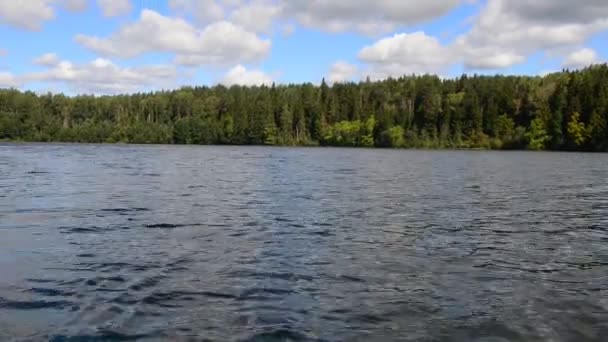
249	243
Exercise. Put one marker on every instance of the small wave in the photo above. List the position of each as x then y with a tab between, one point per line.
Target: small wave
164	299
278	335
171	225
322	233
270	275
81	230
124	210
371	318
352	278
125	299
146	283
85	255
254	292
41	281
35	304
588	265
517	268
164	225
51	292
97	280
107	335
108	267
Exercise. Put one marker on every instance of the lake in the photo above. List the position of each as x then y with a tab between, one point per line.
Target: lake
111	242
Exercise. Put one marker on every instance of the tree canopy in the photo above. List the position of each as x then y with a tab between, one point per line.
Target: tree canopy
567	110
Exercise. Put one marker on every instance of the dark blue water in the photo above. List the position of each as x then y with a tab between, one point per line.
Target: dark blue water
236	243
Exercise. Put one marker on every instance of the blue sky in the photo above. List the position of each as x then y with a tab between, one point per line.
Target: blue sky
116	46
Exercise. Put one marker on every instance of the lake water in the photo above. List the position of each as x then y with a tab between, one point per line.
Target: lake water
248	243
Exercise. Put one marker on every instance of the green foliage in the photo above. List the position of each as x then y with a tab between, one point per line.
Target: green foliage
271	135
537	135
194	130
367	135
11	126
343	133
394	137
350	133
505	128
561	111
597	131
143	133
576	129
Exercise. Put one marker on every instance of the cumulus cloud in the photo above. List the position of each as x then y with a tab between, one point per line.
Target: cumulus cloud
342	72
204	11
220	43
48	59
26	14
102	76
370	17
506	32
256	16
335	16
405	54
8	80
580	59
223	33
239	75
253	15
114	8
75	5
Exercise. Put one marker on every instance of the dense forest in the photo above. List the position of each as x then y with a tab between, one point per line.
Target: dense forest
560	111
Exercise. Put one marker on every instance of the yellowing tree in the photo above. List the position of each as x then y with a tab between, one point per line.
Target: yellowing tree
576	129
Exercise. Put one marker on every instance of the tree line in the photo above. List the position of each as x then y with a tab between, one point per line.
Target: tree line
566	110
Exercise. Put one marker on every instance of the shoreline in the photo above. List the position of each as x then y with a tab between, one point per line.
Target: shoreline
123	144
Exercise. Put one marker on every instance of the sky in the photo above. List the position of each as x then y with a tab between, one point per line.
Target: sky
126	46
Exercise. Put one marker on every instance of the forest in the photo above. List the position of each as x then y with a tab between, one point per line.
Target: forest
566	110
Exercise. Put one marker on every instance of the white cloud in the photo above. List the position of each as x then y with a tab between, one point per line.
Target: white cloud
405	54
8	80
101	76
490	58
256	16
75	5
221	43
580	59
204	11
342	72
48	59
114	8
560	11
231	3
370	17
241	76
506	32
26	14
503	34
